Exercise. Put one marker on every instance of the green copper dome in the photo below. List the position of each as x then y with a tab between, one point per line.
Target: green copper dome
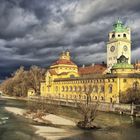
123	66
122	63
119	27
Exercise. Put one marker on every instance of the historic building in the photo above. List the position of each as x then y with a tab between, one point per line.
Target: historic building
105	83
119	43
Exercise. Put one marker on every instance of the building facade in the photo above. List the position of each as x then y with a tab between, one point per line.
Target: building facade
119	43
65	80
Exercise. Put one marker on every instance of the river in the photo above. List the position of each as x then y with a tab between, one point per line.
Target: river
114	127
15	127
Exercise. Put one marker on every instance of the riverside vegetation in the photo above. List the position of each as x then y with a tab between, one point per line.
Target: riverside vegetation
21	80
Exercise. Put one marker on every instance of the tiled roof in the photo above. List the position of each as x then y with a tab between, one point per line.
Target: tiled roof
52	72
63	61
96	69
63	73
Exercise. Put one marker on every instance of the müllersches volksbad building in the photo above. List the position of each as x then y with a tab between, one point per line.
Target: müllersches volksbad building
65	80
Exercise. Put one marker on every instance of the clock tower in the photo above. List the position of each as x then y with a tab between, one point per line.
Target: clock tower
119	43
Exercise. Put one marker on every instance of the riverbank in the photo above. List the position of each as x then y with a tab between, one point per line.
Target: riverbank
114	126
14	98
49	132
126	109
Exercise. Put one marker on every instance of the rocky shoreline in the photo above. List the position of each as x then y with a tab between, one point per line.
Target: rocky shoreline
47	131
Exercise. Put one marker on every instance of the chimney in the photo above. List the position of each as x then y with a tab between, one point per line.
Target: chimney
92	64
83	66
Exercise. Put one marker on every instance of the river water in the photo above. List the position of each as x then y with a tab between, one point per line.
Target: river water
114	127
15	127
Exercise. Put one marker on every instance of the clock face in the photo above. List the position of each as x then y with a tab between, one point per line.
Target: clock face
125	48
112	49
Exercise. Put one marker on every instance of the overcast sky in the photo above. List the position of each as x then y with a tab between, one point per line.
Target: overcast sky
34	32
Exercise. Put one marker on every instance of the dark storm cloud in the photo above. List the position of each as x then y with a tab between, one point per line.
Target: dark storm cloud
36	31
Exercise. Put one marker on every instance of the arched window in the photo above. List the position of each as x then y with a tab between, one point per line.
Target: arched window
110	88
90	88
66	88
102	98
79	88
70	96
70	88
62	88
102	88
95	89
74	88
113	35
84	88
87	89
124	35
95	97
111	100
74	96
135	85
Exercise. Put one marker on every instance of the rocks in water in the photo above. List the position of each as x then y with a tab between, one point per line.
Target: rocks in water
88	126
4	118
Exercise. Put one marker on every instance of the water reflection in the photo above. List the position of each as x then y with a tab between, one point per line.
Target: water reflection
114	127
15	127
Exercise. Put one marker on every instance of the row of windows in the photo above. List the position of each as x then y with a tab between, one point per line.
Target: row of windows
88	81
88	89
64	96
113	58
79	87
113	35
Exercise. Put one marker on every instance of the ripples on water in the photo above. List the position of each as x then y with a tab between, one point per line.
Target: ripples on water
114	127
15	127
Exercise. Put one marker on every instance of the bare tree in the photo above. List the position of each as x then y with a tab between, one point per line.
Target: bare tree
35	76
88	110
7	86
21	80
131	95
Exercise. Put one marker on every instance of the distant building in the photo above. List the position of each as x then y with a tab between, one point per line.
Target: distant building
31	92
65	80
